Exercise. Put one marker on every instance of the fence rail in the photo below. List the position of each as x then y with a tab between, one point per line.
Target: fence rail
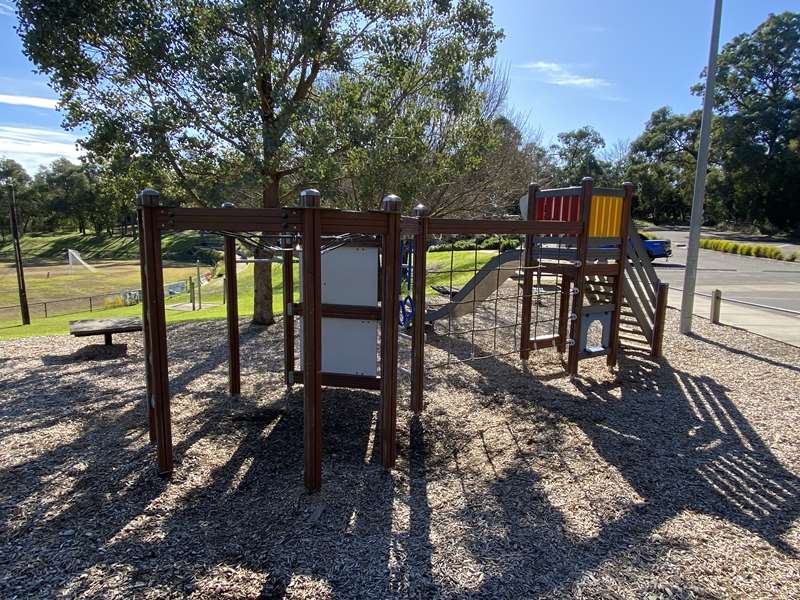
91	303
789	311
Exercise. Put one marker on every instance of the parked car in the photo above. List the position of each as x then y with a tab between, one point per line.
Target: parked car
657	248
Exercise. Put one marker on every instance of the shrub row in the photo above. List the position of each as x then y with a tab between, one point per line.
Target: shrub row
493	242
760	250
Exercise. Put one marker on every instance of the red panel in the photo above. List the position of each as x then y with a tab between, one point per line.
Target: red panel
564	209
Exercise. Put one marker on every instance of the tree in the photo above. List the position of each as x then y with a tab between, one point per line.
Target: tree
13	174
662	163
577	152
266	86
759	122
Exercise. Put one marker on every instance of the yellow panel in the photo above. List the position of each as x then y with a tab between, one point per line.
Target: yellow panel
606	216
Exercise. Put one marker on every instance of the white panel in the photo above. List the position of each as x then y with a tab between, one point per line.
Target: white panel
350	277
350	346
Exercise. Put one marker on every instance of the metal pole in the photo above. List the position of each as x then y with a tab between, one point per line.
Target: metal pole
23	295
690	276
199	293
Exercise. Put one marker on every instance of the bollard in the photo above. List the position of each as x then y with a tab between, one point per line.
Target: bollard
716	304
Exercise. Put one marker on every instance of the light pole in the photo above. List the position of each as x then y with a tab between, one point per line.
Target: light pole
23	296
693	249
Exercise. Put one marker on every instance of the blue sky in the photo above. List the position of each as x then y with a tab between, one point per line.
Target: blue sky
608	63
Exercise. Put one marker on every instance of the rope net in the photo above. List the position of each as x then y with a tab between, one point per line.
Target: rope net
475	295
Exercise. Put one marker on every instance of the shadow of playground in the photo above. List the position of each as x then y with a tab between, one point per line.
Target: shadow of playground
677	439
236	501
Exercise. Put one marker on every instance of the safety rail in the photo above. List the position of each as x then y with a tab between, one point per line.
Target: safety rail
645	293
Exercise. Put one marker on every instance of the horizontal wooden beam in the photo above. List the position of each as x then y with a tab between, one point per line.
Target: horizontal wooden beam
342	380
275	220
344	311
543	341
488	226
335	222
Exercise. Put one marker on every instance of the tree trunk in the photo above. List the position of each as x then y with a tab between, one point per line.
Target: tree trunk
262	272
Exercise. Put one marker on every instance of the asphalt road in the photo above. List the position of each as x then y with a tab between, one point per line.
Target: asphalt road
758	280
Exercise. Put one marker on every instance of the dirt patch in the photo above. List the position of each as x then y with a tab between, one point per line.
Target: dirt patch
671	478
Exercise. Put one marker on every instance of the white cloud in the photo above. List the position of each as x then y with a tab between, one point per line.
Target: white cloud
34	147
557	74
6	9
28	101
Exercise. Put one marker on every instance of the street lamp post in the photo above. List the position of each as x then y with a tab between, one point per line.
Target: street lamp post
693	248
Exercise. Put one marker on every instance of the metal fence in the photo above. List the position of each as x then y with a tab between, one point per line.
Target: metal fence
95	302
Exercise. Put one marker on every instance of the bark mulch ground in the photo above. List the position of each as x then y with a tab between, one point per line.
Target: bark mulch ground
675	478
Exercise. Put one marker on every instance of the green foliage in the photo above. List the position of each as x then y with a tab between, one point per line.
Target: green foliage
754	166
758	250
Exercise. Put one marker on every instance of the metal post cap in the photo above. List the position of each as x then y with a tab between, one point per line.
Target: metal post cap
391	203
228	205
420	210
148	197
587	180
310	198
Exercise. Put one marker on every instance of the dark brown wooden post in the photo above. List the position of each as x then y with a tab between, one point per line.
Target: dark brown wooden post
422	213
312	339
288	315
232	312
619	278
563	313
156	327
587	185
390	311
658	323
151	417
527	278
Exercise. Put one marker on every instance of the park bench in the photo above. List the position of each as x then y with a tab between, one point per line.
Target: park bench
104	327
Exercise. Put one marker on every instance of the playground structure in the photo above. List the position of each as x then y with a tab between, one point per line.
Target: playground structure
577	268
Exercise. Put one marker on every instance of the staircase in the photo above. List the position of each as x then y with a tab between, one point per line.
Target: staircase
644	308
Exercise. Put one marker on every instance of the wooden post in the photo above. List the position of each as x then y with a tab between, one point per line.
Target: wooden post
232	312
422	213
151	417
156	327
716	304
563	314
527	278
619	278
580	278
658	322
288	316
390	313
191	294
312	339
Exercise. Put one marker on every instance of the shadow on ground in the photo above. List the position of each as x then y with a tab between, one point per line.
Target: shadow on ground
88	504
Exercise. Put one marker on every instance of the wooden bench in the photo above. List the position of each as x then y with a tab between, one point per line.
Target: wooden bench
104	327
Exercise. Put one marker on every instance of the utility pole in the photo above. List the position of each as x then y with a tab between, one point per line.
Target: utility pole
199	293
23	296
693	249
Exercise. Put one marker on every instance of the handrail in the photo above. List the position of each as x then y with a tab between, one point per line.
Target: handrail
746	303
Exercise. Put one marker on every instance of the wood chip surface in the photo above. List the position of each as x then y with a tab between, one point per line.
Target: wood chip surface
675	478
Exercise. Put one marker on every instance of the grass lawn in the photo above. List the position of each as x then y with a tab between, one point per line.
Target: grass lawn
464	261
47	283
52	248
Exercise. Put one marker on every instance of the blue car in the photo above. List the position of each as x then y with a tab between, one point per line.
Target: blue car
657	248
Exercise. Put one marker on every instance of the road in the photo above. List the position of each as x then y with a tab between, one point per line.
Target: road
758	280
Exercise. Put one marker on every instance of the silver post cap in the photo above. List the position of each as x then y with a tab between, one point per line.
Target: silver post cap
310	198
391	203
